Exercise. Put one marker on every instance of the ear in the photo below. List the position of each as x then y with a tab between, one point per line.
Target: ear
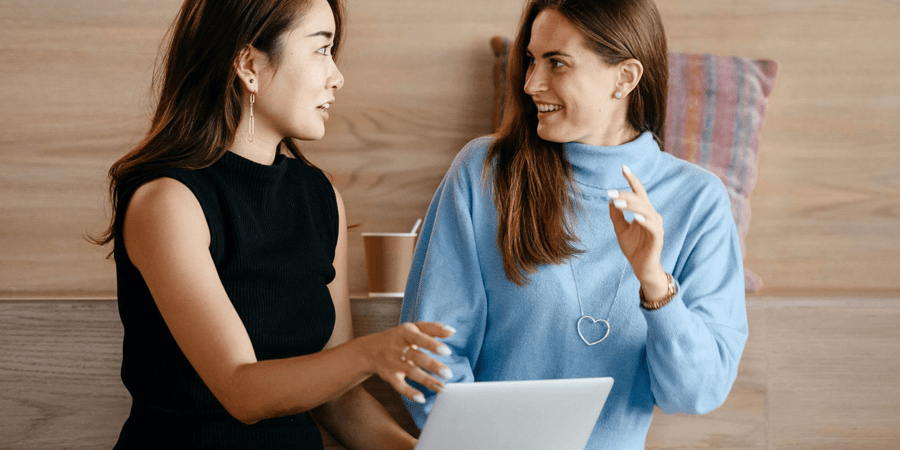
248	65
630	73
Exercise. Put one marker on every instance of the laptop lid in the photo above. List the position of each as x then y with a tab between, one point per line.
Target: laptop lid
522	415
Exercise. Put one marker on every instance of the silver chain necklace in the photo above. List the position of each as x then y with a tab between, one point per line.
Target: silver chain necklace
587	317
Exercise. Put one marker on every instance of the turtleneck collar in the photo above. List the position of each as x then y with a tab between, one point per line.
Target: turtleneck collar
601	167
253	170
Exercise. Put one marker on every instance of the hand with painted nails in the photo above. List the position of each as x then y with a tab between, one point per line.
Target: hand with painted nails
641	240
400	353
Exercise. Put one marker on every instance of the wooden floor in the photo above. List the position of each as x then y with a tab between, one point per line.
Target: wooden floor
816	374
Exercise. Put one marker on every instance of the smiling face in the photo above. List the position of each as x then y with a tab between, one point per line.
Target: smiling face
573	89
294	97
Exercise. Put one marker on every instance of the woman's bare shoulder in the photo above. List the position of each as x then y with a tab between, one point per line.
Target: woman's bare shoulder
163	212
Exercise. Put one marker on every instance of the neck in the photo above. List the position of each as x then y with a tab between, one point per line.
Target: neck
618	133
262	150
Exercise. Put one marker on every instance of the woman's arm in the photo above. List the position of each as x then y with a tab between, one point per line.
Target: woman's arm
695	343
445	281
359	422
355	419
696	337
167	238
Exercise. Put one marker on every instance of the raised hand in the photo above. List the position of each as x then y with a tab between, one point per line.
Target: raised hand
641	240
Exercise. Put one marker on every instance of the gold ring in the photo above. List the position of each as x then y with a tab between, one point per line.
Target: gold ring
403	353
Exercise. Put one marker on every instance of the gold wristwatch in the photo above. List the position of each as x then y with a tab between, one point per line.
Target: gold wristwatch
670	294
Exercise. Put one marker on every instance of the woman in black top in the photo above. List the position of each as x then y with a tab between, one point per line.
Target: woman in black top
231	257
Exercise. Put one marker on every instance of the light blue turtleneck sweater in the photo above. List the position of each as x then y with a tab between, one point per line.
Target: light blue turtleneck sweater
682	357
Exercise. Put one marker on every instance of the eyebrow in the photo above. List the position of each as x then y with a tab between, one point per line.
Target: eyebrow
551	54
327	34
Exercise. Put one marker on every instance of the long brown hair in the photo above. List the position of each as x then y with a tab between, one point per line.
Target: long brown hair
199	95
533	177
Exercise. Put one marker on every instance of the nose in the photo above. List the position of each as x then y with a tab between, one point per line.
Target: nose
336	79
535	80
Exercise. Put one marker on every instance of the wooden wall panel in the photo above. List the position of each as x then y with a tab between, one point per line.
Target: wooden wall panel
815	375
417	89
826	213
825	210
74	87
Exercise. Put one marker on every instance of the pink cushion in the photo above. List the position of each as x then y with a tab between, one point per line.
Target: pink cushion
715	112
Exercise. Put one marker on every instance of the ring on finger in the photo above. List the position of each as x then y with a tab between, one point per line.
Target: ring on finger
405	350
403	353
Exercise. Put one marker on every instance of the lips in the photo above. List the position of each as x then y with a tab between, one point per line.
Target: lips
324	106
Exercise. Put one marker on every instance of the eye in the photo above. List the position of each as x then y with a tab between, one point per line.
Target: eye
324	50
529	59
556	63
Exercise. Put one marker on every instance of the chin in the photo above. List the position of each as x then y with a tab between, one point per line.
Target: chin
548	134
311	135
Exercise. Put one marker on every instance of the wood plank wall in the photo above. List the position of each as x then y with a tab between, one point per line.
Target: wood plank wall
816	374
826	212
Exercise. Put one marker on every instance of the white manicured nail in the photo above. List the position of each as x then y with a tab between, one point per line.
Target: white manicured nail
444	350
626	169
639	218
419	398
446	372
450	329
619	204
612	193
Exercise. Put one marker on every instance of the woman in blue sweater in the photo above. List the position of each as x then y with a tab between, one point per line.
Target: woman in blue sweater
569	245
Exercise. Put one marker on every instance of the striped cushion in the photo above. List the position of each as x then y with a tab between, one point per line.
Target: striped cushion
715	111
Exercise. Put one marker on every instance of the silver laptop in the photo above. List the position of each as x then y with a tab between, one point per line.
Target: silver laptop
521	415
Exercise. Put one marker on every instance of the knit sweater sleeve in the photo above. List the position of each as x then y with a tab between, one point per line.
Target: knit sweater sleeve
445	281
695	342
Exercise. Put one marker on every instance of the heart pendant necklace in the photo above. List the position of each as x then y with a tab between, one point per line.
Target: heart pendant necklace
586	319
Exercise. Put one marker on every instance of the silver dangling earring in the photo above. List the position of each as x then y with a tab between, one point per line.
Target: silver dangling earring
252	125
618	95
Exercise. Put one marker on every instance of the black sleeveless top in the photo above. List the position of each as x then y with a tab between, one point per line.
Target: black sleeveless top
273	231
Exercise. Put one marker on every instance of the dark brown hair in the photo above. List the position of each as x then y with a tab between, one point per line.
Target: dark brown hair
199	95
533	177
